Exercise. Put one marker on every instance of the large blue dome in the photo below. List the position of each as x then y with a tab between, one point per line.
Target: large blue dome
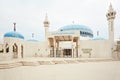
14	35
84	30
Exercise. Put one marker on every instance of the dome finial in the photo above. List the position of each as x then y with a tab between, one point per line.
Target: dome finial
14	26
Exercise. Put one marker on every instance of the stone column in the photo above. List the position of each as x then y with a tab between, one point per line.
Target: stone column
54	47
57	48
4	47
61	54
79	54
19	51
72	48
11	50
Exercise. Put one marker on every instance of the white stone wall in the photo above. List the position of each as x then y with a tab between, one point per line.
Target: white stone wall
100	48
38	49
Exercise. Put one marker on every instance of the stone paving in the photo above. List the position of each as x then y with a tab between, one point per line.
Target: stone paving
48	61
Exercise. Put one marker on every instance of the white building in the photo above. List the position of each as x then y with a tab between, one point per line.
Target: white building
75	41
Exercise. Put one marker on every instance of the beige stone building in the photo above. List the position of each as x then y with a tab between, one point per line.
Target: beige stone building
71	41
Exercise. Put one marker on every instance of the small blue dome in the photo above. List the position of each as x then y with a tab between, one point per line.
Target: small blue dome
32	40
84	30
14	35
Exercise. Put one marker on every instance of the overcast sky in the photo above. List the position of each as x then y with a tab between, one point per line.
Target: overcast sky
29	15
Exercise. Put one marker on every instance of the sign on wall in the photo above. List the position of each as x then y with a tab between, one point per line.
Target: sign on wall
86	50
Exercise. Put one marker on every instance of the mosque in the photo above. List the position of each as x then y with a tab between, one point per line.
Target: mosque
70	41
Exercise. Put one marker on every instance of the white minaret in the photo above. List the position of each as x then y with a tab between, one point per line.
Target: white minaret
110	18
46	25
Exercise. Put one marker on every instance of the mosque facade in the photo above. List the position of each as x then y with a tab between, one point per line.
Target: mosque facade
70	41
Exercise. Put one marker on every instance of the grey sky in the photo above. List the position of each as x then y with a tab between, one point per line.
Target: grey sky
29	15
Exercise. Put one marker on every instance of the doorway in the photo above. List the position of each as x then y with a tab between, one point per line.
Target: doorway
67	53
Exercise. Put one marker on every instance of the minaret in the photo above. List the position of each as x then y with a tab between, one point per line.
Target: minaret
46	25
110	18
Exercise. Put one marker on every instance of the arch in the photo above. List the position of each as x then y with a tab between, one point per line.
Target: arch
15	51
22	51
111	13
6	48
80	32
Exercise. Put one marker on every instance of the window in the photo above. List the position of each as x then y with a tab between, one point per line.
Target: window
1	51
7	48
15	48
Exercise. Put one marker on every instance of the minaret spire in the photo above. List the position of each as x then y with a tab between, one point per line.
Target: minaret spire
110	7
46	26
46	17
14	26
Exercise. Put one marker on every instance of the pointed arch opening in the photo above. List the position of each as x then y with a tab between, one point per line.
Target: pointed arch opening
15	50
6	48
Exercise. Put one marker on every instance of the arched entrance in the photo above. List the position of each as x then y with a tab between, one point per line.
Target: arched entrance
15	51
67	53
68	48
6	48
21	51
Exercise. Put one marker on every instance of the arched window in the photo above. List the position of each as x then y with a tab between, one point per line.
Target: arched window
111	13
61	30
6	48
84	33
80	32
15	50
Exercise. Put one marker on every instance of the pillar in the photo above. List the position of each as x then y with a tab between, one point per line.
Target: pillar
54	47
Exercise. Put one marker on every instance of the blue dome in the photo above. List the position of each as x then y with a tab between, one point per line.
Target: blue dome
84	30
14	35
